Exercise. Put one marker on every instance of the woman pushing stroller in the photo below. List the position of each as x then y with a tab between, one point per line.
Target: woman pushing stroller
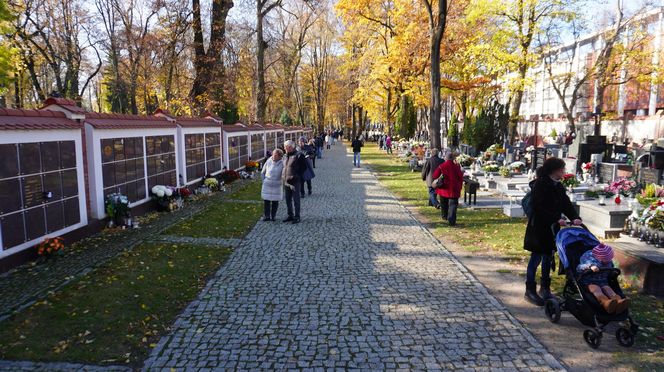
597	283
548	201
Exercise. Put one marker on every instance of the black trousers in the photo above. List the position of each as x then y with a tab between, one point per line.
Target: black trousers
448	209
302	186
270	208
293	200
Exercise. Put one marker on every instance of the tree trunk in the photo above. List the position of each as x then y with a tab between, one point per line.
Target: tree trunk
208	64
435	108
260	66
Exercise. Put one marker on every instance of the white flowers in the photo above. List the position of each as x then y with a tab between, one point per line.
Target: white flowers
160	191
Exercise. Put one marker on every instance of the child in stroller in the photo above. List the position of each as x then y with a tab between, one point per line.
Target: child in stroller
601	257
573	243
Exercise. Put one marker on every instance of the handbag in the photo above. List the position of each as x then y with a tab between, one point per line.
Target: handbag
438	182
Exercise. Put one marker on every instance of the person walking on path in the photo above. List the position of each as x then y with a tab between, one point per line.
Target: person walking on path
451	189
319	146
381	143
328	140
357	147
272	190
428	169
388	144
548	201
308	175
294	167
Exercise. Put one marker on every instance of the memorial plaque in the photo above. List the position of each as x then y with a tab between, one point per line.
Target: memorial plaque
13	230
35	223
30	158
50	155
10	195
9	163
72	212
67	154
32	191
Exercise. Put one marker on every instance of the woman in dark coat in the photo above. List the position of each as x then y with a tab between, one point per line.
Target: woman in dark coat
549	202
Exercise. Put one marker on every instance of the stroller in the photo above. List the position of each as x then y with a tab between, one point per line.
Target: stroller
572	243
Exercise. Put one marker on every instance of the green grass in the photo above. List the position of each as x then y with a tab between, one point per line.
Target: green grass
222	220
250	192
490	231
115	314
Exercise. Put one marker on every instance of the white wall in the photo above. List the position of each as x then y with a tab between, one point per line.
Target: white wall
28	136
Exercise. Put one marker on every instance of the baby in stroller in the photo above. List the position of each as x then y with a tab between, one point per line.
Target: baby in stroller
601	257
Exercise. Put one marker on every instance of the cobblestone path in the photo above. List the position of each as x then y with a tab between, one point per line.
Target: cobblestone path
359	283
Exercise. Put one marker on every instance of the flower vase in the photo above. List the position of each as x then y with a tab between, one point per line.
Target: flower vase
586	178
617	200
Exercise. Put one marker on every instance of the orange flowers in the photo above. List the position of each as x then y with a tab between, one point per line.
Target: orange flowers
50	246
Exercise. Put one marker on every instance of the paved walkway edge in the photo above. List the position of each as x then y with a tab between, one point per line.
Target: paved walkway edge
553	362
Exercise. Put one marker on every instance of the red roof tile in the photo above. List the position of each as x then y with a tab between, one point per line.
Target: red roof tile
234	128
122	121
15	119
193	122
68	104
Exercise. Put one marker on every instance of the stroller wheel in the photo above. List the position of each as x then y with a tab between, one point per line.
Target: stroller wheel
593	338
552	310
625	337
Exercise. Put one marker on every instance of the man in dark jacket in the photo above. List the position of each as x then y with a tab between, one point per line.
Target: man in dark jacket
548	202
319	141
357	147
429	167
294	167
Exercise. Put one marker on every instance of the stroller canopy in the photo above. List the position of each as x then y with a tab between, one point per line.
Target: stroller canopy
576	236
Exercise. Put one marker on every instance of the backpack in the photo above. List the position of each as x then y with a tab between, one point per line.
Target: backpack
525	204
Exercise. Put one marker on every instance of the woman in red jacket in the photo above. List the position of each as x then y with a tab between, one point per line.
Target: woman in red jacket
451	189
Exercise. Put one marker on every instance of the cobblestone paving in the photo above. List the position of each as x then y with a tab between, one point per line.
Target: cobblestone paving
26	284
358	284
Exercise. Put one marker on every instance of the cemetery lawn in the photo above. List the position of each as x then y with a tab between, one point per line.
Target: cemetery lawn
491	232
116	313
224	220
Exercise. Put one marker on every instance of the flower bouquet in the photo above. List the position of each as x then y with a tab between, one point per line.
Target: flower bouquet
251	166
517	166
211	183
465	160
570	181
491	166
650	194
505	172
118	210
622	187
587	168
50	247
163	196
229	176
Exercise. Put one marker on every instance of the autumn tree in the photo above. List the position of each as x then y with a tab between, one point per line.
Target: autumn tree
61	35
208	63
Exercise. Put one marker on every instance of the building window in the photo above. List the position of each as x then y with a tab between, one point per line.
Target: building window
123	167
38	190
161	160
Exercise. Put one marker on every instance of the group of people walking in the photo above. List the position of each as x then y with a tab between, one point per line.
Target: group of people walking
288	174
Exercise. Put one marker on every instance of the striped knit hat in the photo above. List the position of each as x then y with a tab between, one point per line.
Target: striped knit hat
603	252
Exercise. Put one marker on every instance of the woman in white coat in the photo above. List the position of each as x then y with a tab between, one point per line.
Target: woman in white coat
273	185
